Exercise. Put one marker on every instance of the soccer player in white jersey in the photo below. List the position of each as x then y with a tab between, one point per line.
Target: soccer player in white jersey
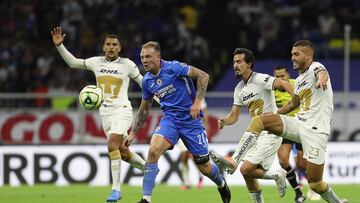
113	74
311	125
255	91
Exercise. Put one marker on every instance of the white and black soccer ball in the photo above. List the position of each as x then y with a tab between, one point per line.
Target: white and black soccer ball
91	97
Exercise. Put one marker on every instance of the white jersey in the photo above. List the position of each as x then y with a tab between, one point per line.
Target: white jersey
257	94
113	77
316	105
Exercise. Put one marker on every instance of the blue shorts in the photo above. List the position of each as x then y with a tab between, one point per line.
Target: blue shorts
193	135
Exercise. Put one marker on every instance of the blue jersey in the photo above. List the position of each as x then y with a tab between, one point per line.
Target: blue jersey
174	88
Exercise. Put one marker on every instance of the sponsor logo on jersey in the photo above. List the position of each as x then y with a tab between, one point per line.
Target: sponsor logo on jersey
109	71
302	84
165	91
249	96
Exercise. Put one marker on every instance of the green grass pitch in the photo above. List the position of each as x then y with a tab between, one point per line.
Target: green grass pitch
162	194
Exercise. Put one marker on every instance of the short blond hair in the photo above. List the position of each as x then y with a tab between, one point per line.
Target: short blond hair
152	44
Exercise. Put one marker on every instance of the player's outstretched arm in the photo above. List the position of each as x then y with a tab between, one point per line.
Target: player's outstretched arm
322	78
290	106
71	61
140	119
283	85
202	80
57	36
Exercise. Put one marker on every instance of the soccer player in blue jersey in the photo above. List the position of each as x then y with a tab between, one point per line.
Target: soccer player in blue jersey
171	82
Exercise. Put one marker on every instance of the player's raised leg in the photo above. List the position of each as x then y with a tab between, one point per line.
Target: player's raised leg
270	122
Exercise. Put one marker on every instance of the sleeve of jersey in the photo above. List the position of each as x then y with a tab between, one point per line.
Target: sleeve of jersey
146	94
237	99
135	74
70	59
180	69
92	63
265	80
317	68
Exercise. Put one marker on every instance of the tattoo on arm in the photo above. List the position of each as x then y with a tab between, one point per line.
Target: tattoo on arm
202	79
141	115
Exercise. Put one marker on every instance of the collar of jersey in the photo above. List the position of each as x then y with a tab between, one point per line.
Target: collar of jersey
114	61
248	81
307	67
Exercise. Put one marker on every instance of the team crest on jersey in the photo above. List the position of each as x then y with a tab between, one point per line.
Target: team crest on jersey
159	82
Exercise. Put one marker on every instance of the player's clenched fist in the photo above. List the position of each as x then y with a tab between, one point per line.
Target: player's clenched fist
221	123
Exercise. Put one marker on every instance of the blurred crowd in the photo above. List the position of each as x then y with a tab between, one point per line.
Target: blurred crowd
202	33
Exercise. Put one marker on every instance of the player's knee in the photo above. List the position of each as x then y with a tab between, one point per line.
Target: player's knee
245	171
125	153
154	153
318	187
112	145
284	163
199	160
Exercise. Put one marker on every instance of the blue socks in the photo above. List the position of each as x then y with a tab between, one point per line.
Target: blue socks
215	176
151	171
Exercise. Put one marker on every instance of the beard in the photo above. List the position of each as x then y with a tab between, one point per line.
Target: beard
237	76
300	65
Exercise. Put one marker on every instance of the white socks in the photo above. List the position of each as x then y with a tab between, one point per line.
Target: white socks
257	197
115	173
270	175
246	142
137	162
330	196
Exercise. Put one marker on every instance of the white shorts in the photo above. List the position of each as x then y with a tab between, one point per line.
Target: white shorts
314	143
118	121
264	151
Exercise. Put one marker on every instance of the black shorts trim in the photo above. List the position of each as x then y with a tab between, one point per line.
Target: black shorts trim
298	146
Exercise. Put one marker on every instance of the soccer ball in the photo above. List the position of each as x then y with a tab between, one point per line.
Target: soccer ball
91	97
